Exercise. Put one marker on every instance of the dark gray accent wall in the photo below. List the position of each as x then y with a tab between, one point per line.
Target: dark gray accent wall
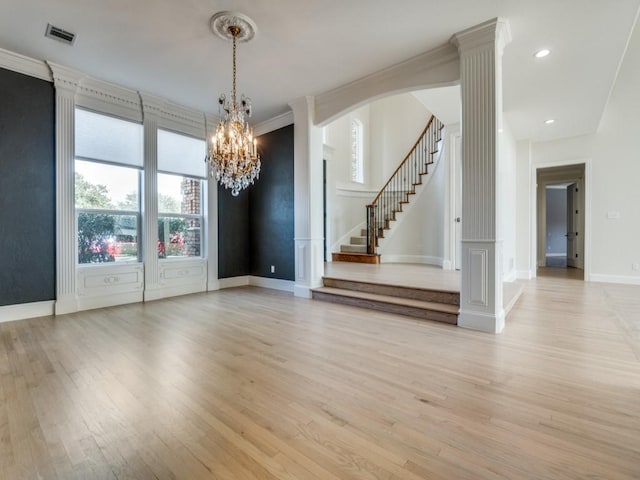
255	229
556	220
271	207
27	189
234	255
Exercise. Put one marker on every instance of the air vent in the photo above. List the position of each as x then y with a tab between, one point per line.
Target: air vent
60	34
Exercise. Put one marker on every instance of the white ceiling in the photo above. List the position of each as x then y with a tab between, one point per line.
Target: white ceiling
165	47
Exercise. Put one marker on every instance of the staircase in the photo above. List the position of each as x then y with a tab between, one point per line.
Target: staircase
391	198
356	251
423	303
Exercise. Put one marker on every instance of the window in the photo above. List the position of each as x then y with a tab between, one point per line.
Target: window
108	167
180	195
357	161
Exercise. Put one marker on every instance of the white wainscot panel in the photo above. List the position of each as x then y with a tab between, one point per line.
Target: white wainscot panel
100	280
180	277
180	271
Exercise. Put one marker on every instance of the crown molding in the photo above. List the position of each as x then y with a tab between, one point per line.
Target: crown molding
173	116
25	65
109	98
65	77
274	123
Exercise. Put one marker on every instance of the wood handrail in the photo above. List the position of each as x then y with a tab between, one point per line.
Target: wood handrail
415	145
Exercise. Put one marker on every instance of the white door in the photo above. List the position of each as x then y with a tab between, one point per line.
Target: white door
458	202
572	225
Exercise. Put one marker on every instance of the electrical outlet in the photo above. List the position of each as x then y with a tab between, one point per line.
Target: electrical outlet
273	269
635	266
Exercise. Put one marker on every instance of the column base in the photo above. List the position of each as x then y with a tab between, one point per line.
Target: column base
484	322
309	266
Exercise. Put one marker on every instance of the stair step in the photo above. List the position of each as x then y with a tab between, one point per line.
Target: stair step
404	306
401	291
355	257
353	248
358	240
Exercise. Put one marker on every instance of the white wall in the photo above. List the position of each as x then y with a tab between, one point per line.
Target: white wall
523	209
396	123
613	155
616	177
507	201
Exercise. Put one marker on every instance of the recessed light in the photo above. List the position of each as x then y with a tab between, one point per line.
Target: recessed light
542	53
550	121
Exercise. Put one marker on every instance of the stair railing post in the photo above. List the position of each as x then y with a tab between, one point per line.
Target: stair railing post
371	229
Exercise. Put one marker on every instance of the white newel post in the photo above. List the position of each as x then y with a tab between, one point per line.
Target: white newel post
150	109
480	48
66	83
309	265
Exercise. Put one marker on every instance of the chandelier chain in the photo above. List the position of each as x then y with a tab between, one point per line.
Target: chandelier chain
233	93
233	155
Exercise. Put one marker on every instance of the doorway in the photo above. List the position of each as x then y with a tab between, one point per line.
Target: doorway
561	222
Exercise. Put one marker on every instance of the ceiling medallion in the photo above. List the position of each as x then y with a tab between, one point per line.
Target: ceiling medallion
221	21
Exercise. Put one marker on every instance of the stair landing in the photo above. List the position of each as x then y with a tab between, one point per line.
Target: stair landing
421	291
393	288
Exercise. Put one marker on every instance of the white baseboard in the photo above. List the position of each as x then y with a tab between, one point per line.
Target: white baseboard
240	281
556	254
166	291
264	282
524	274
625	279
422	259
274	283
302	291
482	321
447	265
510	276
9	313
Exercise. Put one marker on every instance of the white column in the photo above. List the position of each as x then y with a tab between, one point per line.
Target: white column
480	48
309	265
150	200
212	214
66	83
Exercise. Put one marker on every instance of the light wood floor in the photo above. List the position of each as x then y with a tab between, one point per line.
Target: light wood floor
251	383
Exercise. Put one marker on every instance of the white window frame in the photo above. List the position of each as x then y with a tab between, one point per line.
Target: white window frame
194	216
101	211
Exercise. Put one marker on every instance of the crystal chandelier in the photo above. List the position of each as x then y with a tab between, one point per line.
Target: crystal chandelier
233	158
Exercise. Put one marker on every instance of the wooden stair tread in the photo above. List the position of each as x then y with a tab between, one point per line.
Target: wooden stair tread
438	307
357	257
407	287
